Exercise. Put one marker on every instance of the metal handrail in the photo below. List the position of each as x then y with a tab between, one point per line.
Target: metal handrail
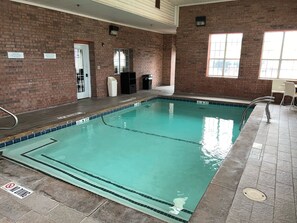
267	99
16	121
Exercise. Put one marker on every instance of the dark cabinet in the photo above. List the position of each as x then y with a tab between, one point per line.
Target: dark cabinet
128	82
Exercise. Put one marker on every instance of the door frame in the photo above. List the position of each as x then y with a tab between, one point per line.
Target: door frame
86	68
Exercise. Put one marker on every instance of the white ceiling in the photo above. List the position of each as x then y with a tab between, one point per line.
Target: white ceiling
91	9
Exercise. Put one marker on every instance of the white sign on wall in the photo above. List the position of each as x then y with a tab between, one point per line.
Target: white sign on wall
50	56
15	55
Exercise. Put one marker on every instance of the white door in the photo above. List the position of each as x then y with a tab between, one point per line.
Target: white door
82	68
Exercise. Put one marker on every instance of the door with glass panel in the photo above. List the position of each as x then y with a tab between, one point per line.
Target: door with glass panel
82	69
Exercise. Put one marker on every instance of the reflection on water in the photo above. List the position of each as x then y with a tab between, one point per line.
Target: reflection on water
217	137
171	110
178	205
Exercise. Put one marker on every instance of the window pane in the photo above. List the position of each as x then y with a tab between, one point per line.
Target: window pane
233	46
231	68
272	45
217	45
116	61
290	46
288	69
269	68
122	61
224	54
281	49
127	57
215	67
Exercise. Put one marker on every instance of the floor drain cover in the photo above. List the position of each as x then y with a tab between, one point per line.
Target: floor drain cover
254	194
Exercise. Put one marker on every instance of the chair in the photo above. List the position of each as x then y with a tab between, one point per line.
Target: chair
278	86
290	90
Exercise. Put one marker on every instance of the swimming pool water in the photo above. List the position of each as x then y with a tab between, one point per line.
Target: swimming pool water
157	158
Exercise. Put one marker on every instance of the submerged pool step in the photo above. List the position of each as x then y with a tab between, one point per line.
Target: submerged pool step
29	147
148	133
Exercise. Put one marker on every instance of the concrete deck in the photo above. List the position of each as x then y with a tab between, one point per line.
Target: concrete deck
264	157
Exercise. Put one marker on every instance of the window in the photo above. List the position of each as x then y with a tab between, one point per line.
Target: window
279	55
224	55
122	60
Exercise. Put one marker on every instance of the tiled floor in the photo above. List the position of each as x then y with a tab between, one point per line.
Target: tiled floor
271	166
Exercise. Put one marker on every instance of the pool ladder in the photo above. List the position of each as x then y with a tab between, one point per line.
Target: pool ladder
16	121
267	99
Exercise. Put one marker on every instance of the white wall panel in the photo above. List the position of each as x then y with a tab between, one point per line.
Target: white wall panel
145	8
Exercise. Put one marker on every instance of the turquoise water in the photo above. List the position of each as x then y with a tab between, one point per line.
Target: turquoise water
158	157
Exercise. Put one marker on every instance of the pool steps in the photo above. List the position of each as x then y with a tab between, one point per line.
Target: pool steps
16	121
267	99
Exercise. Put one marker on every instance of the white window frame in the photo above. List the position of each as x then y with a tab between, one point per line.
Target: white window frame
224	59
128	60
280	59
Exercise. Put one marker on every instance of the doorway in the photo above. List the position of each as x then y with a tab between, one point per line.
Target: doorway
82	68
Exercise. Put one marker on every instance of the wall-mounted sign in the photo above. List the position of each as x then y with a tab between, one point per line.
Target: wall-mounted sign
50	56
15	55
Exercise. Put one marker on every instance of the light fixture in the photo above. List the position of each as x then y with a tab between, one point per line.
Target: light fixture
113	30
200	20
157	4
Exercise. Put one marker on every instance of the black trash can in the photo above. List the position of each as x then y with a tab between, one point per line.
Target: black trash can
147	80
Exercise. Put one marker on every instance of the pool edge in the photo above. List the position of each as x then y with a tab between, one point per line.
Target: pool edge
215	185
216	202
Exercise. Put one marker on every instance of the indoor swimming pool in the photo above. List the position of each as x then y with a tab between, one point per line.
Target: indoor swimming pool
157	156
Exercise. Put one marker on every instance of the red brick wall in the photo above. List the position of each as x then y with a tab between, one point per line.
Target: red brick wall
34	83
250	17
147	55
